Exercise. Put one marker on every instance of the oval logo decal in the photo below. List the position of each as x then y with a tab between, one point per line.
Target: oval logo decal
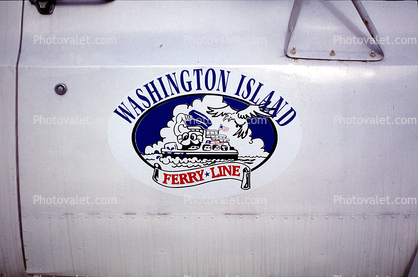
204	132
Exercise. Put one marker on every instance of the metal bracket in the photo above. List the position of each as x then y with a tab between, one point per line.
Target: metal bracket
292	53
44	6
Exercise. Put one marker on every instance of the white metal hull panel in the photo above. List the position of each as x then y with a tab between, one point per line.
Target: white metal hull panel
219	245
348	160
11	253
158	33
303	223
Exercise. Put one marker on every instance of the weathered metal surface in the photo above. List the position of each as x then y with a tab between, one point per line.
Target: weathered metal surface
297	225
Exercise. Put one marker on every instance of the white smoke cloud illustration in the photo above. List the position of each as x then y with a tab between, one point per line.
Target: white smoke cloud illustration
247	146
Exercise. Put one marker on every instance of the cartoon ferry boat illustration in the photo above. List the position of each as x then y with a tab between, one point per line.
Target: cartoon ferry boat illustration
214	146
195	139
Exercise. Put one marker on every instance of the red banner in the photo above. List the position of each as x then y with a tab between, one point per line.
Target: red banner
201	175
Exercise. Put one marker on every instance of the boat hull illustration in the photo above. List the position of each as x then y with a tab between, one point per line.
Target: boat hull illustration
210	154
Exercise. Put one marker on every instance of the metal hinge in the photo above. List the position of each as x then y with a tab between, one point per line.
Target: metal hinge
44	6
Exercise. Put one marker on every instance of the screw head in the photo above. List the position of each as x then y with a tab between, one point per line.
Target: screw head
293	51
61	89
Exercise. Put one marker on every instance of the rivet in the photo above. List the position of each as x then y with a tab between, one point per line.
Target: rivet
256	216
24	230
75	216
379	217
162	250
61	89
171	217
252	253
185	216
298	217
240	216
293	51
121	216
227	216
111	216
26	244
272	217
62	217
332	53
312	217
81	248
99	216
24	216
158	216
212	217
133	216
199	217
322	253
365	217
406	216
145	216
40	269
37	216
87	216
340	217
400	249
392	216
285	217
50	216
373	54
352	217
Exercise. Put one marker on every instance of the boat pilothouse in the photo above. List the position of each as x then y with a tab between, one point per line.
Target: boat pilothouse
201	143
